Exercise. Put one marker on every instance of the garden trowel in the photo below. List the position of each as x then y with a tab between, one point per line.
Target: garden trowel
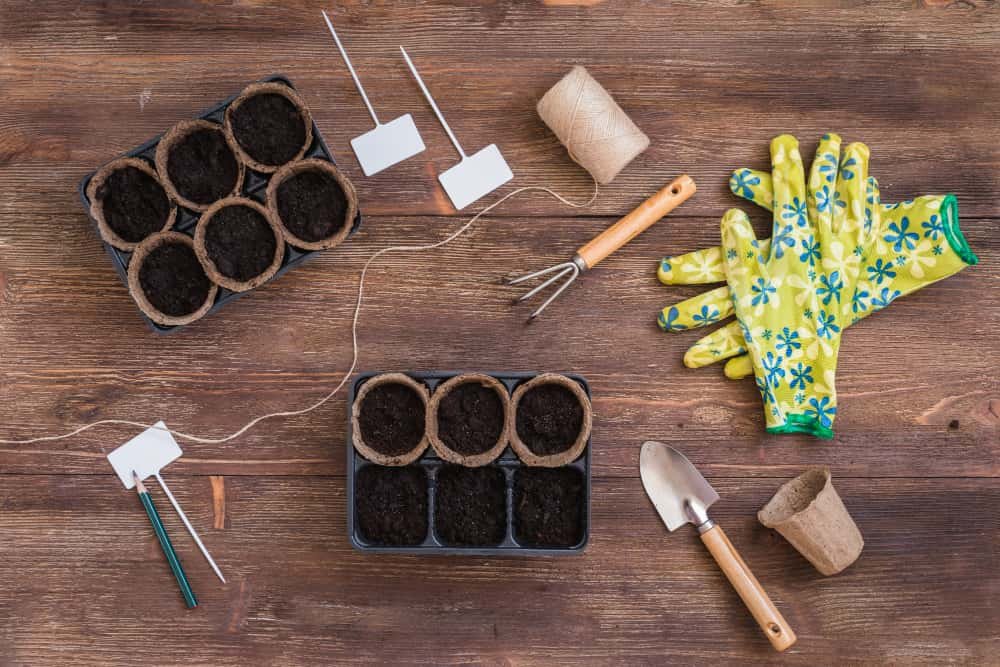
681	495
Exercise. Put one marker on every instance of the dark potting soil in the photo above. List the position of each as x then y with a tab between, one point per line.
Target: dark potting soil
391	504
548	507
202	166
391	419
470	418
312	205
549	418
269	128
173	280
134	203
470	506
240	242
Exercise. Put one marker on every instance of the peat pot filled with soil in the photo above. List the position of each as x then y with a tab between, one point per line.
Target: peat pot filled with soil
129	203
550	420
239	243
268	125
470	506
390	505
314	202
168	282
549	507
389	419
197	165
468	419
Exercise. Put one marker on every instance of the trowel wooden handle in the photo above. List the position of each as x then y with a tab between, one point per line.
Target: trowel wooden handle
670	197
754	597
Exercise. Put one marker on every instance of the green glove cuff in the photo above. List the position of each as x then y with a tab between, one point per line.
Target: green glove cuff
803	424
952	232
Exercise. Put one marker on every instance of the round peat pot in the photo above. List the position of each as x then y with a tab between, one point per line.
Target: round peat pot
550	420
314	202
239	243
129	203
168	282
197	165
389	419
268	126
467	421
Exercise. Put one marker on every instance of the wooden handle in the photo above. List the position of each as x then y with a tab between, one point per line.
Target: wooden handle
670	197
753	595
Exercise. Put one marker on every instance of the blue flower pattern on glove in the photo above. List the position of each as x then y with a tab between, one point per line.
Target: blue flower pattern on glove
796	212
772	369
707	315
781	239
900	236
826	325
884	298
801	376
821	410
762	290
741	182
810	251
880	271
934	228
829	287
669	323
788	341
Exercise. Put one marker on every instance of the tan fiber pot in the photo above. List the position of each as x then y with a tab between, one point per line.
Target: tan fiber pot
393	421
808	512
174	137
98	191
450	417
519	430
298	213
246	141
211	263
152	245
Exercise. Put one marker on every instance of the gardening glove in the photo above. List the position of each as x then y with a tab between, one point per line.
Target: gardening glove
791	302
918	243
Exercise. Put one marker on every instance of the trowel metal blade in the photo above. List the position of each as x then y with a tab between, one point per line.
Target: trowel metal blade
673	484
146	454
475	176
387	144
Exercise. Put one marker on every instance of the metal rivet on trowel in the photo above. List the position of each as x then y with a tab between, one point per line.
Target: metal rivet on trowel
389	143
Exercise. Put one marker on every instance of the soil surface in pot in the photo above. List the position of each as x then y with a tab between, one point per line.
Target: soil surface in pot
548	507
269	128
470	418
312	205
391	419
134	203
391	505
549	418
470	506
173	280
240	242
202	166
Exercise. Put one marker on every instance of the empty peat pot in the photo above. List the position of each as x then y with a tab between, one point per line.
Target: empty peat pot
809	513
314	202
550	420
389	419
128	202
470	506
197	165
268	125
467	422
168	282
239	243
549	507
390	505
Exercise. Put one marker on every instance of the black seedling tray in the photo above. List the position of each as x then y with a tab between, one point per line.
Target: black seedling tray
508	461
254	187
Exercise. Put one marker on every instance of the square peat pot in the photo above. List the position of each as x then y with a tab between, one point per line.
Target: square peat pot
254	187
423	487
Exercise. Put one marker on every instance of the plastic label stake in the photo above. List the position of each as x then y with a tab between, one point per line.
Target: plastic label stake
473	177
147	454
389	143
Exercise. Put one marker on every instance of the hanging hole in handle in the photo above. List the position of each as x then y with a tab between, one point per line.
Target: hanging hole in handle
674	190
775	630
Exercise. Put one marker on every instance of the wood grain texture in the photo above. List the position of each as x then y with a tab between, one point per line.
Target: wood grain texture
916	459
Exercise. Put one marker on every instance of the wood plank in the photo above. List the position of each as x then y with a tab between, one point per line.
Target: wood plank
922	591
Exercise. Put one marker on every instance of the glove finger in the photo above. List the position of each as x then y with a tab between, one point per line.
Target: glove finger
823	179
721	344
739	367
698	311
850	199
788	181
693	268
744	263
752	185
873	208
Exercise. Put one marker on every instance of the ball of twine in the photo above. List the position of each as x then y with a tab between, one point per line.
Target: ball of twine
598	135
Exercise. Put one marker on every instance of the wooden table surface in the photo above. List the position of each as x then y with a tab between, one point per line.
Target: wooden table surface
915	458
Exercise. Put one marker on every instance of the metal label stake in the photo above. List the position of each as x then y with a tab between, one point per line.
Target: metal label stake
389	143
473	177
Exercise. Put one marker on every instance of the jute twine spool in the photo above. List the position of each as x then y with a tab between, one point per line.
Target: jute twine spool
599	136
